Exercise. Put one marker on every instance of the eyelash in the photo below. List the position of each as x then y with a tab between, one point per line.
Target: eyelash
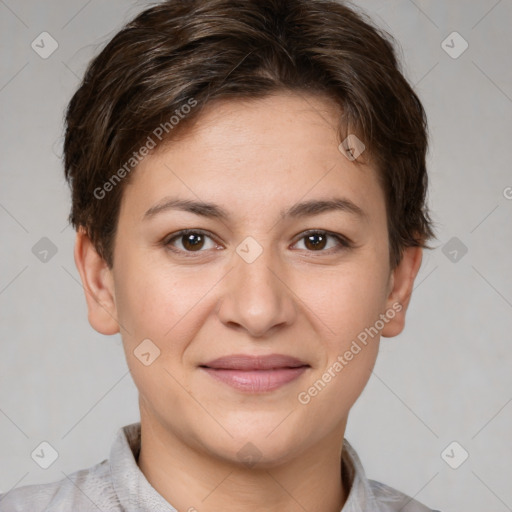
343	242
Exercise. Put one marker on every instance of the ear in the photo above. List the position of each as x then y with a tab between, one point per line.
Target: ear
400	290
98	284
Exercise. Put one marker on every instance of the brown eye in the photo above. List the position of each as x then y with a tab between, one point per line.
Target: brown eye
317	241
189	241
193	241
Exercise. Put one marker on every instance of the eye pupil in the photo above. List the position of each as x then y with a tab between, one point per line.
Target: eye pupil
189	239
316	245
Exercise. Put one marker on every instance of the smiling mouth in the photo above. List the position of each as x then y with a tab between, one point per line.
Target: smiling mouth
255	374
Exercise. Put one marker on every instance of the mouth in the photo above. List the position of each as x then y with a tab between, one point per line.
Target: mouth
255	374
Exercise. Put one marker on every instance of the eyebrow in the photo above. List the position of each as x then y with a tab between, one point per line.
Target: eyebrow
214	211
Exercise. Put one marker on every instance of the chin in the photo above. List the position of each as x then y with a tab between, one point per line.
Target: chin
256	445
256	453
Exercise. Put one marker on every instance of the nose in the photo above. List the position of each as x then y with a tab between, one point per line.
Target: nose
256	296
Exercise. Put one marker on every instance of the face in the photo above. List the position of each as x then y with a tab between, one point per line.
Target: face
287	255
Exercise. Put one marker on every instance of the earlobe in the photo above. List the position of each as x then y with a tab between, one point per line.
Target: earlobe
98	284
401	286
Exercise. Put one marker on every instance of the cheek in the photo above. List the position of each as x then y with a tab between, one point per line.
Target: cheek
348	299
154	304
348	309
151	299
347	304
165	305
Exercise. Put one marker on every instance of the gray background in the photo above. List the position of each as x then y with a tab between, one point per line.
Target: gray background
445	378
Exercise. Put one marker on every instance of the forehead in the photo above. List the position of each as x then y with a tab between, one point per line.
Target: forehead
256	155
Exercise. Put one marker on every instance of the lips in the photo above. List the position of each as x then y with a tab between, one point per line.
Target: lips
246	362
255	374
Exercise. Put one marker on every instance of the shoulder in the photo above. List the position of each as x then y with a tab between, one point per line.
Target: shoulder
367	494
84	490
392	500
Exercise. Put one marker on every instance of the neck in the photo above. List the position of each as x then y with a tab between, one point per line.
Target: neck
197	481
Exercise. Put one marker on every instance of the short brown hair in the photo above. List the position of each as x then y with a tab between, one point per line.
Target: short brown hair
191	52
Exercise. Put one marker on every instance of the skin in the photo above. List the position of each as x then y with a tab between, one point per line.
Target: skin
253	158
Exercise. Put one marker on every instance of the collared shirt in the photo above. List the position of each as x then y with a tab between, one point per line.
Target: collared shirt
118	485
